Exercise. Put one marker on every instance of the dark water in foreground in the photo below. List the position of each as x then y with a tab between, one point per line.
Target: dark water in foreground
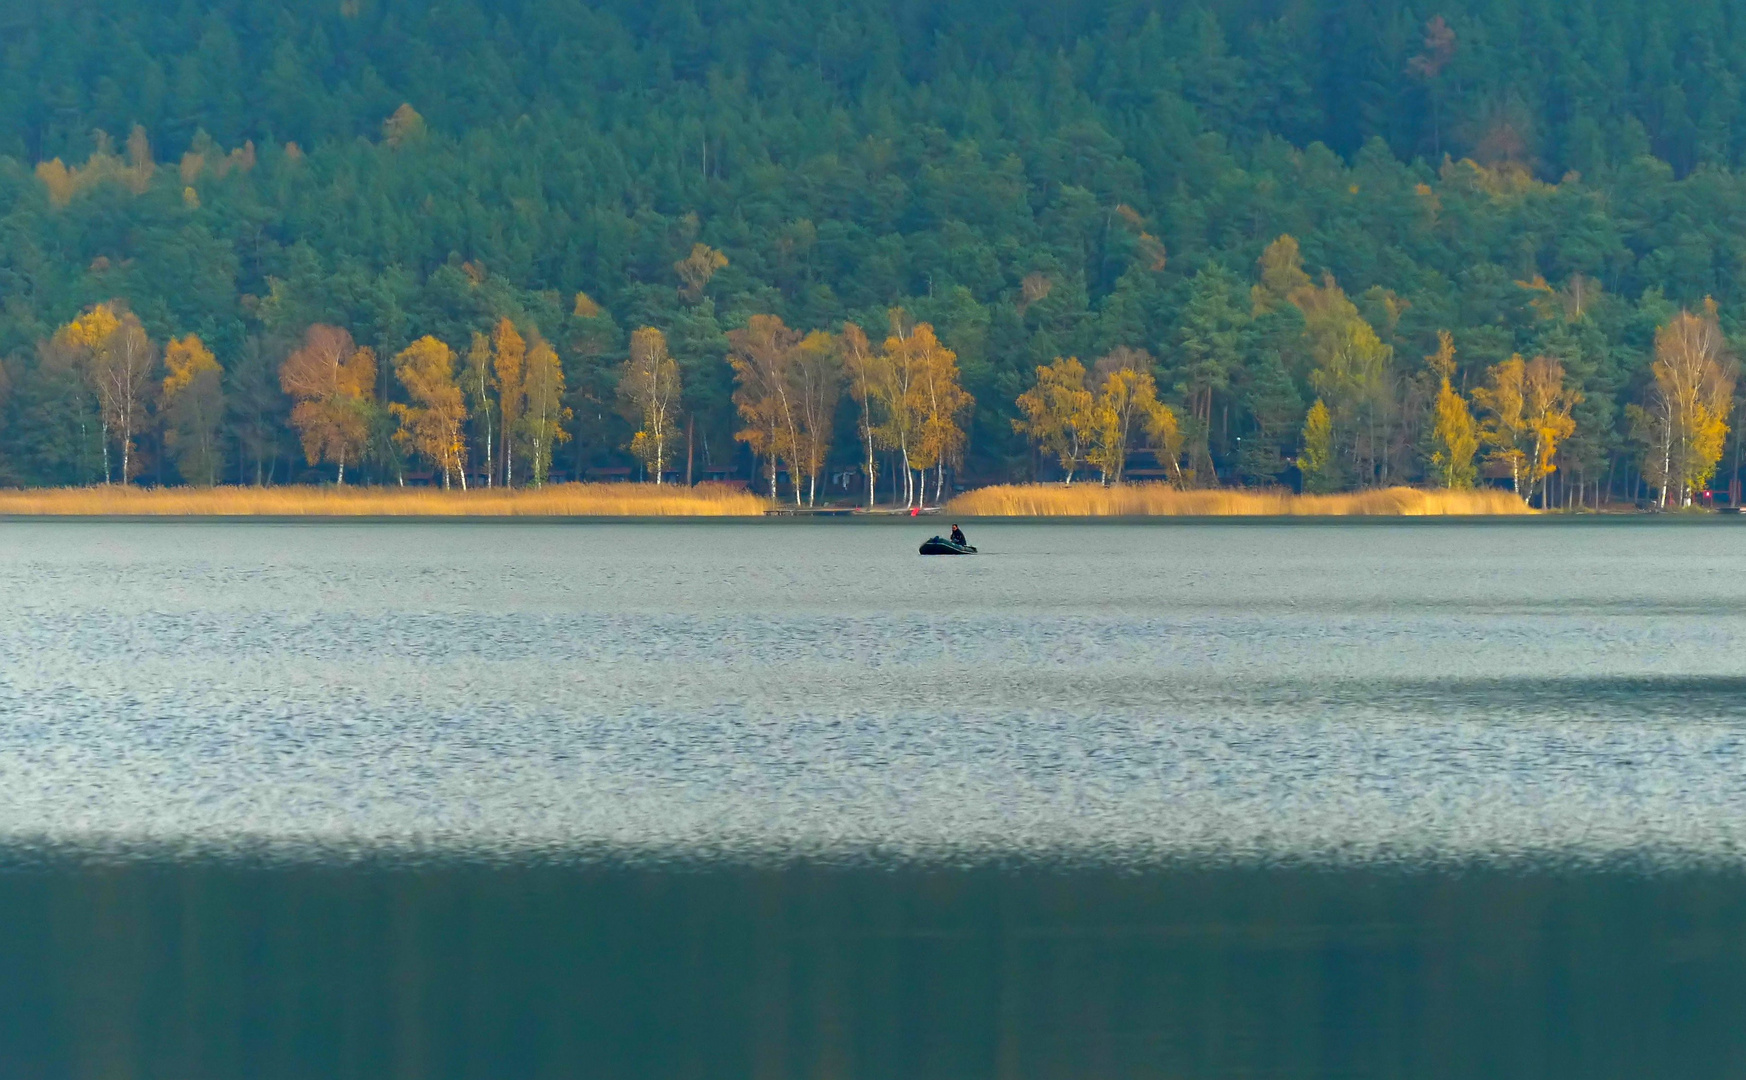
222	971
781	801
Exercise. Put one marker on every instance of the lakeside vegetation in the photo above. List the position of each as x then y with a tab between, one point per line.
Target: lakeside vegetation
860	247
553	500
1162	500
715	500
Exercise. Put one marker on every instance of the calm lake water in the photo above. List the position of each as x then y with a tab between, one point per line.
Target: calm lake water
788	800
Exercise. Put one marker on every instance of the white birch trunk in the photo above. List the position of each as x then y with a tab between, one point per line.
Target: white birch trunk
490	458
867	426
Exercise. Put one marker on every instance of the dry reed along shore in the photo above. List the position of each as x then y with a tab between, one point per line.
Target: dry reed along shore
553	500
713	500
1161	500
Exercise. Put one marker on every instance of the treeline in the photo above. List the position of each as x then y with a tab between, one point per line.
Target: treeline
1366	429
495	414
505	404
1034	182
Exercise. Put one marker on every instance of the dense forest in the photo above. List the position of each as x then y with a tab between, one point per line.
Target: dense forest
1467	194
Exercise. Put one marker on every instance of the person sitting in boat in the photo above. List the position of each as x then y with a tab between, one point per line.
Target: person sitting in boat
958	537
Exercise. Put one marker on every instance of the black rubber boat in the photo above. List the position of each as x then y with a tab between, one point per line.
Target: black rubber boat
939	545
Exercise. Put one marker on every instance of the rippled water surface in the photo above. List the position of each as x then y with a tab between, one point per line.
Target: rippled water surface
1349	692
786	800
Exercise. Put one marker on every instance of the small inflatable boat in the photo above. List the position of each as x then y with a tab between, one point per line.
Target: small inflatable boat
939	545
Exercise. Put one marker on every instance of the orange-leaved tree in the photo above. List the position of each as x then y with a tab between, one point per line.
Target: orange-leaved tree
103	166
761	355
332	380
193	406
697	268
433	423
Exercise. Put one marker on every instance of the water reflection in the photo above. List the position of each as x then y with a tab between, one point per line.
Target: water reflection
222	970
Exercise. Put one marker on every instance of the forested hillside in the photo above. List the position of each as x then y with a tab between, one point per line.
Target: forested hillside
1035	180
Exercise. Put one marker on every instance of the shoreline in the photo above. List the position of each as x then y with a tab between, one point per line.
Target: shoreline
308	503
632	503
1162	500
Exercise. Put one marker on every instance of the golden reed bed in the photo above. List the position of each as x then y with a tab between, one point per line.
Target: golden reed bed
554	500
1161	500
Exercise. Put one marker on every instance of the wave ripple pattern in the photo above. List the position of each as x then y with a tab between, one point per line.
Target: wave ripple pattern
1350	693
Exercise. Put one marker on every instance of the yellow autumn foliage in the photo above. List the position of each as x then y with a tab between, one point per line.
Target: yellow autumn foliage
134	172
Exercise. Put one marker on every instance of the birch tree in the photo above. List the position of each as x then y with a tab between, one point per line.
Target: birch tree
761	355
1546	407
116	358
904	350
79	340
542	422
433	425
940	403
817	377
122	373
1686	422
1506	427
1127	400
1057	411
480	386
508	361
650	383
332	380
865	370
1164	431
